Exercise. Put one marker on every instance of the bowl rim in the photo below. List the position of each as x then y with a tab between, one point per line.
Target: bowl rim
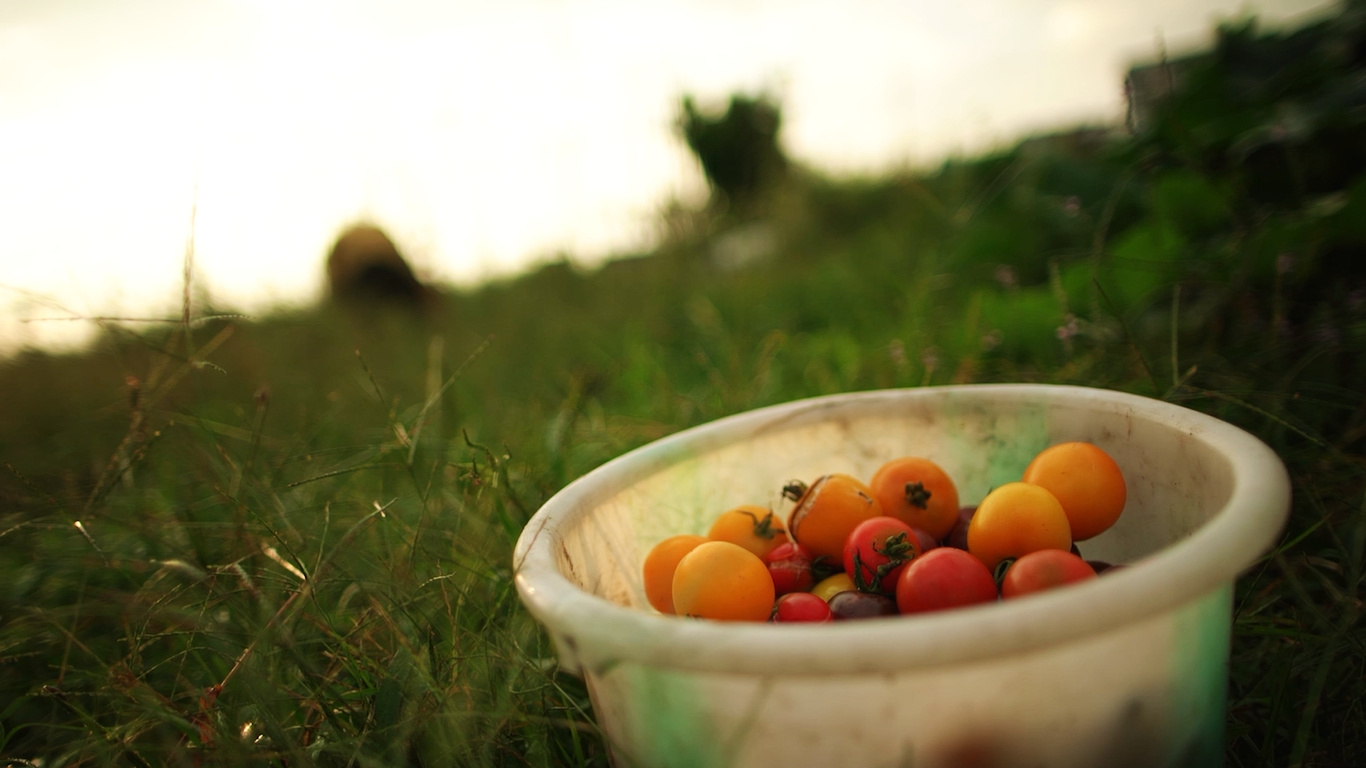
592	632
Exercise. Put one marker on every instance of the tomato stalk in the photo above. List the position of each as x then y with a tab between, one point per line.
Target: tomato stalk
764	528
825	566
917	495
999	574
895	549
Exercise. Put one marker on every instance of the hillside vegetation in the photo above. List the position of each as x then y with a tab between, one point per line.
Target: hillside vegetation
287	540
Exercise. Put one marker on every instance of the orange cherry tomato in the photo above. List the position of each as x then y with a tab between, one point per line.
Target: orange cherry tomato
919	493
827	511
659	569
753	527
1085	480
1014	520
723	581
1043	570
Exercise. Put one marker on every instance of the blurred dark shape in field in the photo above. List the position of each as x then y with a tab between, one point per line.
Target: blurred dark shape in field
738	149
365	268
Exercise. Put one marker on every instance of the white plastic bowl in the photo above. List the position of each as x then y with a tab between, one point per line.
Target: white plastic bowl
1126	670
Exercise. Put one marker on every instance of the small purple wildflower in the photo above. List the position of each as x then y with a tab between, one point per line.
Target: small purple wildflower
897	351
1005	276
929	357
1070	328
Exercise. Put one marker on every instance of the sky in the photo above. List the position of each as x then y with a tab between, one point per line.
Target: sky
485	137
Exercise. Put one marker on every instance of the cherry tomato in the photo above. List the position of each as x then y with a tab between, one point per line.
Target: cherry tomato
861	605
801	606
827	511
876	551
723	581
958	536
1100	566
926	541
833	585
753	527
1085	480
659	569
1042	570
789	564
944	578
1015	519
918	492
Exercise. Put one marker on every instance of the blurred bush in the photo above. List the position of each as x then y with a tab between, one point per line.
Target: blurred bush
738	149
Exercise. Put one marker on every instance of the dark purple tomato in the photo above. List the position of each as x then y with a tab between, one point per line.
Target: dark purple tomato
861	605
927	542
958	536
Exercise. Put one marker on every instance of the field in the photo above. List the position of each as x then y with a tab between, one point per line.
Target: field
287	540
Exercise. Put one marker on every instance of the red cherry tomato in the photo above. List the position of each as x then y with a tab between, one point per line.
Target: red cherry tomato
876	551
789	564
801	606
944	578
1043	570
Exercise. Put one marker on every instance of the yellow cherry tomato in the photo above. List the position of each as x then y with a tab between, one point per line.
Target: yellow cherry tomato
753	527
833	585
1015	519
723	581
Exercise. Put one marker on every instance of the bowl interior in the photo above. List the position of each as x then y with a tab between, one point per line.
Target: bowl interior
1177	477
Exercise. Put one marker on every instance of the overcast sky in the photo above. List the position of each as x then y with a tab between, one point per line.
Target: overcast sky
484	136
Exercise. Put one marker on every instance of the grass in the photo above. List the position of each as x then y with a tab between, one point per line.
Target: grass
219	590
287	540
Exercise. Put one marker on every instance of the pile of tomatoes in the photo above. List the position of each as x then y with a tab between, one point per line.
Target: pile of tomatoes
900	543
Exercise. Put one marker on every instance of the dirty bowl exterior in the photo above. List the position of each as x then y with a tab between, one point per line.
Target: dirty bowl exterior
1126	670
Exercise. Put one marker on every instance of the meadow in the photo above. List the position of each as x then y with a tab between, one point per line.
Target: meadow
286	540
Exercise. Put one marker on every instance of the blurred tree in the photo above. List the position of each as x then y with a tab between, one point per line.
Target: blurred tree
738	149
